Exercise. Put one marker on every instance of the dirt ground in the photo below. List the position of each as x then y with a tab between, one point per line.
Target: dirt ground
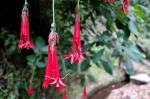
131	91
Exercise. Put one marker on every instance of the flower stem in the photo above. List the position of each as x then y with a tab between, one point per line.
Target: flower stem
32	76
26	3
78	4
53	25
53	13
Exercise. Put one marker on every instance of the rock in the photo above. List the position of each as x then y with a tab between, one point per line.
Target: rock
143	78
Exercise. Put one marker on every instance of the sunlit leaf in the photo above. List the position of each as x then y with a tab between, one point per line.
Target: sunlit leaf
106	67
98	56
91	78
129	66
133	28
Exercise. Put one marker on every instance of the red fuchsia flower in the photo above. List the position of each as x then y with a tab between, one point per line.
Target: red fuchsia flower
24	32
30	90
76	54
65	95
109	1
52	74
84	94
124	7
56	74
48	71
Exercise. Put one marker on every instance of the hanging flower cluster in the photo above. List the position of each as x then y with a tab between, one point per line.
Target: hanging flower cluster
109	1
52	74
124	7
24	32
76	54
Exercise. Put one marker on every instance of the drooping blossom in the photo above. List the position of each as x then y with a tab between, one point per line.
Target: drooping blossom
84	94
24	31
109	1
30	90
48	71
76	54
65	95
124	7
52	73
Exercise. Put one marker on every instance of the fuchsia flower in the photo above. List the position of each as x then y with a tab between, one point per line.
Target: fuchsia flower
84	94
30	90
52	74
124	7
76	53
24	32
109	1
48	71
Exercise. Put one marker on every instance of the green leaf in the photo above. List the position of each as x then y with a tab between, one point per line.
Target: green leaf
119	47
115	53
109	61
39	42
91	78
139	11
126	33
106	35
82	78
130	53
36	51
129	66
98	56
133	28
31	58
40	64
44	50
30	63
106	67
120	33
85	64
85	47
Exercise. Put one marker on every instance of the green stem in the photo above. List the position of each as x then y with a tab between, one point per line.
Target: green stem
53	13
32	76
78	4
26	3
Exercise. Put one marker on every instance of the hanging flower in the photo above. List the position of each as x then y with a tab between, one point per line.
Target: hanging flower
84	94
24	32
65	95
52	73
48	71
76	54
124	7
109	1
30	90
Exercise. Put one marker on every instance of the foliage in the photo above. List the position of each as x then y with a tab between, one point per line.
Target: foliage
108	33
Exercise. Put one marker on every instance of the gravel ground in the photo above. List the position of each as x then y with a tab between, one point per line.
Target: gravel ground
131	91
